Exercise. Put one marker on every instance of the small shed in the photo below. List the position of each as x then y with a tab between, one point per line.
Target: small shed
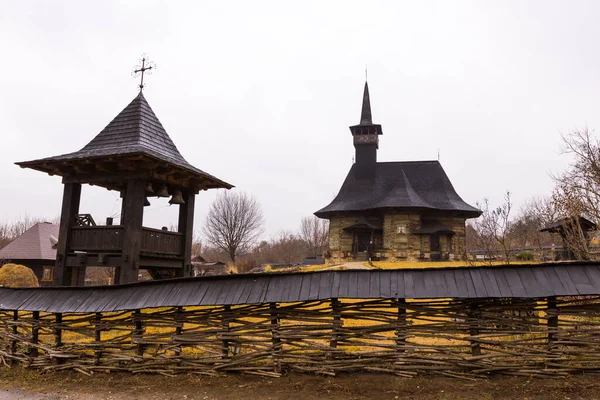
570	229
208	268
36	249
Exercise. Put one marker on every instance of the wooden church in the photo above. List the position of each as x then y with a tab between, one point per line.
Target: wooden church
134	155
394	210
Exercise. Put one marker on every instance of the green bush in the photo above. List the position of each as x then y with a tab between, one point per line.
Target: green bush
524	255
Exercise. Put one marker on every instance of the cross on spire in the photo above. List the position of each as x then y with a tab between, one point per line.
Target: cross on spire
147	65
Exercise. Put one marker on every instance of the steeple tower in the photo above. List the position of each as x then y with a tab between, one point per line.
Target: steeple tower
366	136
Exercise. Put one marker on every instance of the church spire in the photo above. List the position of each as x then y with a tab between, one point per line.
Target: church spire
365	115
366	137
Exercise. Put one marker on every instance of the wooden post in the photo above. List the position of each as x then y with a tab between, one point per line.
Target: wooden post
35	334
337	323
133	214
58	334
78	275
185	226
401	327
139	331
473	330
70	209
58	330
15	331
276	339
552	321
178	327
98	336
225	325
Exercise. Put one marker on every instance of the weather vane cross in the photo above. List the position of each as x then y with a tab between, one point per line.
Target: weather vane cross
146	67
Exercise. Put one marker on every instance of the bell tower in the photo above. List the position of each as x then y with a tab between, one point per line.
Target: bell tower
366	137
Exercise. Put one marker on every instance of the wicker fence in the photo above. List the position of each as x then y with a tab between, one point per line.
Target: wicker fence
543	337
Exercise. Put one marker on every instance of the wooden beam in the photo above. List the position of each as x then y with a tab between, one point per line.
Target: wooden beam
336	312
98	337
133	213
70	208
185	226
15	331
139	332
275	336
552	323
147	261
58	330
35	334
101	178
401	327
473	319
112	260
225	331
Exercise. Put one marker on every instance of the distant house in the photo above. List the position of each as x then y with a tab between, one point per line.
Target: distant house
36	249
207	268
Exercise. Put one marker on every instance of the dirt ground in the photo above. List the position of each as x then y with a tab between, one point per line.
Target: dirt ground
29	385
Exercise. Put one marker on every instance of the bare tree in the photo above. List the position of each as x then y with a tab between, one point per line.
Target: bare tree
494	226
580	183
234	223
314	232
577	192
286	248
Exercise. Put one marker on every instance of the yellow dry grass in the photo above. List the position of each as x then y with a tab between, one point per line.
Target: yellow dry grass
436	264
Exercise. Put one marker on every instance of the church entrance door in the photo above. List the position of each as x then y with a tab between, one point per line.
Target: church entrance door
362	241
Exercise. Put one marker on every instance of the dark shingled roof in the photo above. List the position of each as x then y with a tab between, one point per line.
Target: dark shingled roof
136	130
562	223
37	243
408	184
520	281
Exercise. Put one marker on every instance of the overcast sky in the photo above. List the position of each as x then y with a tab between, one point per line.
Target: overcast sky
261	94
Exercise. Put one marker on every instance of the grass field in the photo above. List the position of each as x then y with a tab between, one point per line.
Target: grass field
412	265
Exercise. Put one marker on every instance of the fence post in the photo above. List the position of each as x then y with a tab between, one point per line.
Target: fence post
473	330
58	330
139	331
552	312
275	336
336	312
98	336
58	334
178	328
35	334
401	327
225	325
15	331
552	324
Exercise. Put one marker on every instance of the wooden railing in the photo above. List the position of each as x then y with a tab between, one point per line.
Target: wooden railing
105	239
161	242
97	238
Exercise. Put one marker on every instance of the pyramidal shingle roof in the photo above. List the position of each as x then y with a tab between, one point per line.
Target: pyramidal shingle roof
37	243
407	184
135	130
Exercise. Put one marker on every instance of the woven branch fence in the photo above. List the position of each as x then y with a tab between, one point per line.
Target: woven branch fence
467	339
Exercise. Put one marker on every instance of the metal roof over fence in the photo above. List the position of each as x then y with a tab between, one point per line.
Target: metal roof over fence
522	281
